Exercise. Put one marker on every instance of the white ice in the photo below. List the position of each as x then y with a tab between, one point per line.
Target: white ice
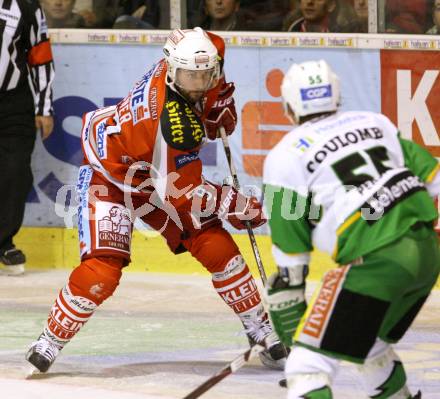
160	336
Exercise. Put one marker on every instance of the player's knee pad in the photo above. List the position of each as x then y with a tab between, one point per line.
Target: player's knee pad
214	248
237	287
235	268
383	374
93	281
96	278
309	372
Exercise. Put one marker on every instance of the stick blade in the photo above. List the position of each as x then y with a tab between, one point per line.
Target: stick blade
230	368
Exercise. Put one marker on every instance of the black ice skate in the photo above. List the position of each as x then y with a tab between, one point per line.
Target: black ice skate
42	354
261	332
13	260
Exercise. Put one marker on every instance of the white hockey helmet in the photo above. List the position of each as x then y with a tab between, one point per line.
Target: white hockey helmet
310	88
190	49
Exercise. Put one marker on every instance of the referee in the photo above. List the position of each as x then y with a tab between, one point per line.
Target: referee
26	75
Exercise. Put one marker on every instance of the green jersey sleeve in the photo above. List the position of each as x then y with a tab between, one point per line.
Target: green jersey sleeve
418	159
287	199
288	214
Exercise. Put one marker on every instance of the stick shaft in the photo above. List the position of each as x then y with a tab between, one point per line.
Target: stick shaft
251	234
248	225
236	364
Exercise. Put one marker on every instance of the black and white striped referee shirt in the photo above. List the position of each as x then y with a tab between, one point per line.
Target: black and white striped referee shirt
25	49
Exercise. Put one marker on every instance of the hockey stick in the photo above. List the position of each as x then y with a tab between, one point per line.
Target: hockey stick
251	235
232	367
236	183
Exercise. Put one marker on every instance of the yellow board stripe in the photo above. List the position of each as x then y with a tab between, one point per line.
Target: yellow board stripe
57	248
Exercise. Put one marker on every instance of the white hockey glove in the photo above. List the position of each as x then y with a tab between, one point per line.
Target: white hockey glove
285	300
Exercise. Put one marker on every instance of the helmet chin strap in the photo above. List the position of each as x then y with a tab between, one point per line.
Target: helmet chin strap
290	114
170	83
174	87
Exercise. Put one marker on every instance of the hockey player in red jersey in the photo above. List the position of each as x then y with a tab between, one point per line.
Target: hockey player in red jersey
141	160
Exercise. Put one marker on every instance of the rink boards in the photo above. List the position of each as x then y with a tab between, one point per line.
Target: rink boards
57	248
395	75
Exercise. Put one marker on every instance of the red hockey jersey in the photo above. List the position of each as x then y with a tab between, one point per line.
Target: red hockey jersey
150	141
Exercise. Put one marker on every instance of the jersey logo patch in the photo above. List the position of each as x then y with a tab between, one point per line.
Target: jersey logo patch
101	140
316	92
303	144
181	127
138	97
395	190
113	227
184	159
176	36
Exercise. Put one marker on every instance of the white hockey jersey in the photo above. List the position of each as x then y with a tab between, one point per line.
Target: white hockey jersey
346	184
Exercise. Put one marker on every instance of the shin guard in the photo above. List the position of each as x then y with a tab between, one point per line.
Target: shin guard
309	374
383	374
238	289
68	314
93	281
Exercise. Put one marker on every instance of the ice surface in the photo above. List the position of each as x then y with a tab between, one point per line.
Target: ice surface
160	336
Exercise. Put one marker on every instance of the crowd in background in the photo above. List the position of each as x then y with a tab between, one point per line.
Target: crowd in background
350	16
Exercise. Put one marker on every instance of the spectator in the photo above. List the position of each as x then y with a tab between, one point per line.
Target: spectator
292	14
222	15
406	16
97	13
25	57
435	30
313	16
262	15
194	13
324	16
85	9
59	14
361	10
164	14
138	14
105	13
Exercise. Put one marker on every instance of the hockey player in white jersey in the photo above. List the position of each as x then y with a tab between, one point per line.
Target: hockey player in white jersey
347	184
